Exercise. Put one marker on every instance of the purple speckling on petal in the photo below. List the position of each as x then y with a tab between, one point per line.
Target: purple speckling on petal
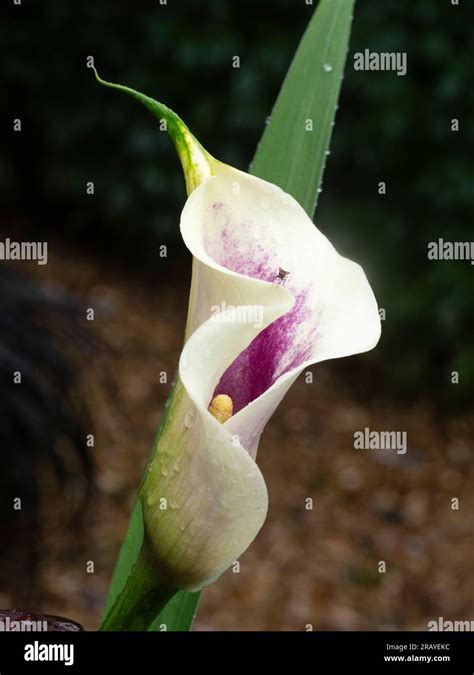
243	254
283	345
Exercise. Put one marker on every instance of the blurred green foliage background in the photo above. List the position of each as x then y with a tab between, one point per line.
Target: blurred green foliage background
389	128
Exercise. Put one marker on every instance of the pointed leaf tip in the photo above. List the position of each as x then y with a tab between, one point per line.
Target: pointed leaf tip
197	163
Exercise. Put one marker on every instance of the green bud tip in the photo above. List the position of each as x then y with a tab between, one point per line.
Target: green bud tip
197	163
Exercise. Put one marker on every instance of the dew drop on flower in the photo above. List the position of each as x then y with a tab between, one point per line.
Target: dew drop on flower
152	499
189	419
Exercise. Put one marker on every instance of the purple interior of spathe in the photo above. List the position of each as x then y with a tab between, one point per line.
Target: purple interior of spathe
278	348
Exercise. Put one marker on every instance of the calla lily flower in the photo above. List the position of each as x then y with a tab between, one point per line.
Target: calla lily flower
269	297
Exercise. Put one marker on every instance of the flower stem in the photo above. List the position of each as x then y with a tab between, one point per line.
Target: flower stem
141	599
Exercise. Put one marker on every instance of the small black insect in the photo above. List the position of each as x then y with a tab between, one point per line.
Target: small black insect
281	276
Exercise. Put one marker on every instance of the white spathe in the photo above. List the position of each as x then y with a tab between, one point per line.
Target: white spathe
253	246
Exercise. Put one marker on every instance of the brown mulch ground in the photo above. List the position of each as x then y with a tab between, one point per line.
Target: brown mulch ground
318	566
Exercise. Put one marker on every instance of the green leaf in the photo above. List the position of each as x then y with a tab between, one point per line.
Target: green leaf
293	158
288	154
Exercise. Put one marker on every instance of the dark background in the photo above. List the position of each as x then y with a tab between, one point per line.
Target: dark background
103	249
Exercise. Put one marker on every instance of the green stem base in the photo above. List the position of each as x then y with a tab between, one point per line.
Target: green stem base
141	599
